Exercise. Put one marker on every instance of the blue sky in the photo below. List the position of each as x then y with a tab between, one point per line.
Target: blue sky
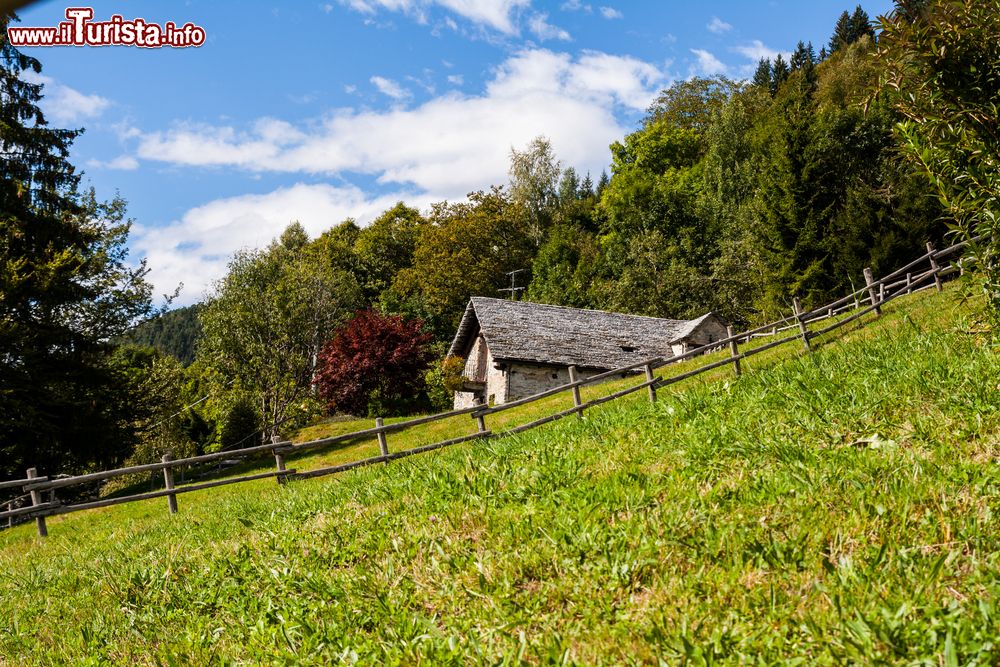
320	111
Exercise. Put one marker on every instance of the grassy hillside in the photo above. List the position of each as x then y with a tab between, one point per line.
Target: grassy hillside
838	507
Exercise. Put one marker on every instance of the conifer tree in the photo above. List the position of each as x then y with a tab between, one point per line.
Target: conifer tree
602	183
762	77
781	73
861	25
65	292
841	33
850	28
569	186
799	57
804	60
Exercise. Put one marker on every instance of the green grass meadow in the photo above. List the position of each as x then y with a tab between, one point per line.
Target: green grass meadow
834	507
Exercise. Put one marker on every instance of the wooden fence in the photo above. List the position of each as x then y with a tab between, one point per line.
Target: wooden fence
868	299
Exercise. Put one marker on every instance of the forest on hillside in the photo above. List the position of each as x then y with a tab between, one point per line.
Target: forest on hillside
730	196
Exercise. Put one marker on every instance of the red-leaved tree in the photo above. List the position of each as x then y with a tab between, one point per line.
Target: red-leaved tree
373	355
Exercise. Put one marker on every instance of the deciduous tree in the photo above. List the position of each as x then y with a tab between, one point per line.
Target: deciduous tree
268	317
385	247
374	358
942	63
466	250
534	181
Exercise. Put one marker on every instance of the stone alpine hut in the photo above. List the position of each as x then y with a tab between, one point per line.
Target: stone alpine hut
514	349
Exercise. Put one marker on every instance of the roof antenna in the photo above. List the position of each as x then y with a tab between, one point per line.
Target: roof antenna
513	289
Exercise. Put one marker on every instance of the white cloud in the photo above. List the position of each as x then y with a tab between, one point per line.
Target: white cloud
496	14
66	105
575	6
360	6
541	28
390	88
629	81
718	26
426	82
194	250
756	50
63	105
708	64
122	162
125	130
611	13
453	143
206	145
441	149
456	79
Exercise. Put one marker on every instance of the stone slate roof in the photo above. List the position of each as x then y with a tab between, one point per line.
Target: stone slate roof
540	333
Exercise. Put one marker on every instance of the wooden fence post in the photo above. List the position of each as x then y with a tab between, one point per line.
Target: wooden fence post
870	281
383	444
36	499
909	283
168	483
734	351
10	519
279	457
576	392
480	419
934	267
652	387
797	305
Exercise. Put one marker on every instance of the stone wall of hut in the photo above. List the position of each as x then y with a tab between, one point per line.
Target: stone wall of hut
528	379
480	367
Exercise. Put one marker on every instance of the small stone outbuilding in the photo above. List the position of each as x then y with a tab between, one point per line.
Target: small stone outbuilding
514	349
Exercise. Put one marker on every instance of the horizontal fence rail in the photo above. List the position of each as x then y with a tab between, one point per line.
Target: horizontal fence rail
863	301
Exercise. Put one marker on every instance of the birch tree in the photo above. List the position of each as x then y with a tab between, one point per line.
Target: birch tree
268	317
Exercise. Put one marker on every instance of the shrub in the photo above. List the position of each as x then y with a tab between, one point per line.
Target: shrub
241	427
443	380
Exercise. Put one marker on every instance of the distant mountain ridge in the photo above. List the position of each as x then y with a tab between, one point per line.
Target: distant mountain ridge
175	332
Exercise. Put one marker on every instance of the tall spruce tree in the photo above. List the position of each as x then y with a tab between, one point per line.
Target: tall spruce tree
762	77
569	186
65	292
850	28
780	73
841	32
799	57
861	25
804	56
602	183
